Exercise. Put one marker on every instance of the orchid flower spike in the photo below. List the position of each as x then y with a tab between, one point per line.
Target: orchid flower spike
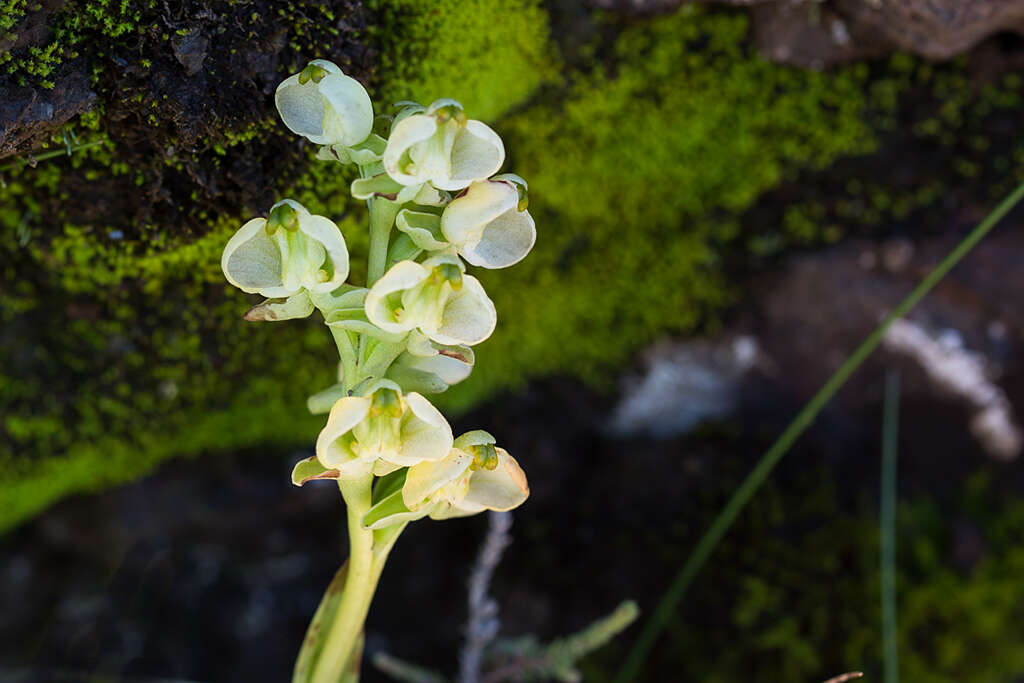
381	431
489	224
290	251
325	106
474	476
441	146
436	297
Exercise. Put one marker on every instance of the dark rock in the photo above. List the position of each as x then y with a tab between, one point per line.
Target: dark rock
190	50
936	29
818	33
31	115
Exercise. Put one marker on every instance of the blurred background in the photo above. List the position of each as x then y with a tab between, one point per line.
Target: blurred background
729	196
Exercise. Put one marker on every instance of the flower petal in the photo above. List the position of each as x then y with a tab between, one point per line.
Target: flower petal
464	218
301	108
425	433
346	414
452	364
349	114
469	318
477	153
252	261
400	277
327	233
424	479
505	241
502	488
406	133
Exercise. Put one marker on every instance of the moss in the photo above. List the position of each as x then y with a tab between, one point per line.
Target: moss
462	49
636	180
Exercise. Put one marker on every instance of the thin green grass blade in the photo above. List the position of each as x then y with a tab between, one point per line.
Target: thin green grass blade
887	522
667	605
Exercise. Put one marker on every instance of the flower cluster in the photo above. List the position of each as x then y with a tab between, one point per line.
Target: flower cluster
436	205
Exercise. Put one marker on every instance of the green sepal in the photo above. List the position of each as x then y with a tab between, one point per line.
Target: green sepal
367	152
345	296
406	108
376	186
419	381
423	228
389	511
296	306
388	484
322	401
355	320
309	469
381	356
402	248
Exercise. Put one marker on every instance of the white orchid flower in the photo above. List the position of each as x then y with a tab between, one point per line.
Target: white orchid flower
381	431
473	477
442	147
280	256
325	106
436	297
489	224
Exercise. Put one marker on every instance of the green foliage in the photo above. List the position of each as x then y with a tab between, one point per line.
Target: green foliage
488	54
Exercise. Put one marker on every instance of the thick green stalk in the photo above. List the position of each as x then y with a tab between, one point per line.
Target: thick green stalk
741	496
382	217
347	354
359	585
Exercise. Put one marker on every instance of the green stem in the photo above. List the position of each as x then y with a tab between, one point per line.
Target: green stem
359	585
347	354
652	629
887	521
382	217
